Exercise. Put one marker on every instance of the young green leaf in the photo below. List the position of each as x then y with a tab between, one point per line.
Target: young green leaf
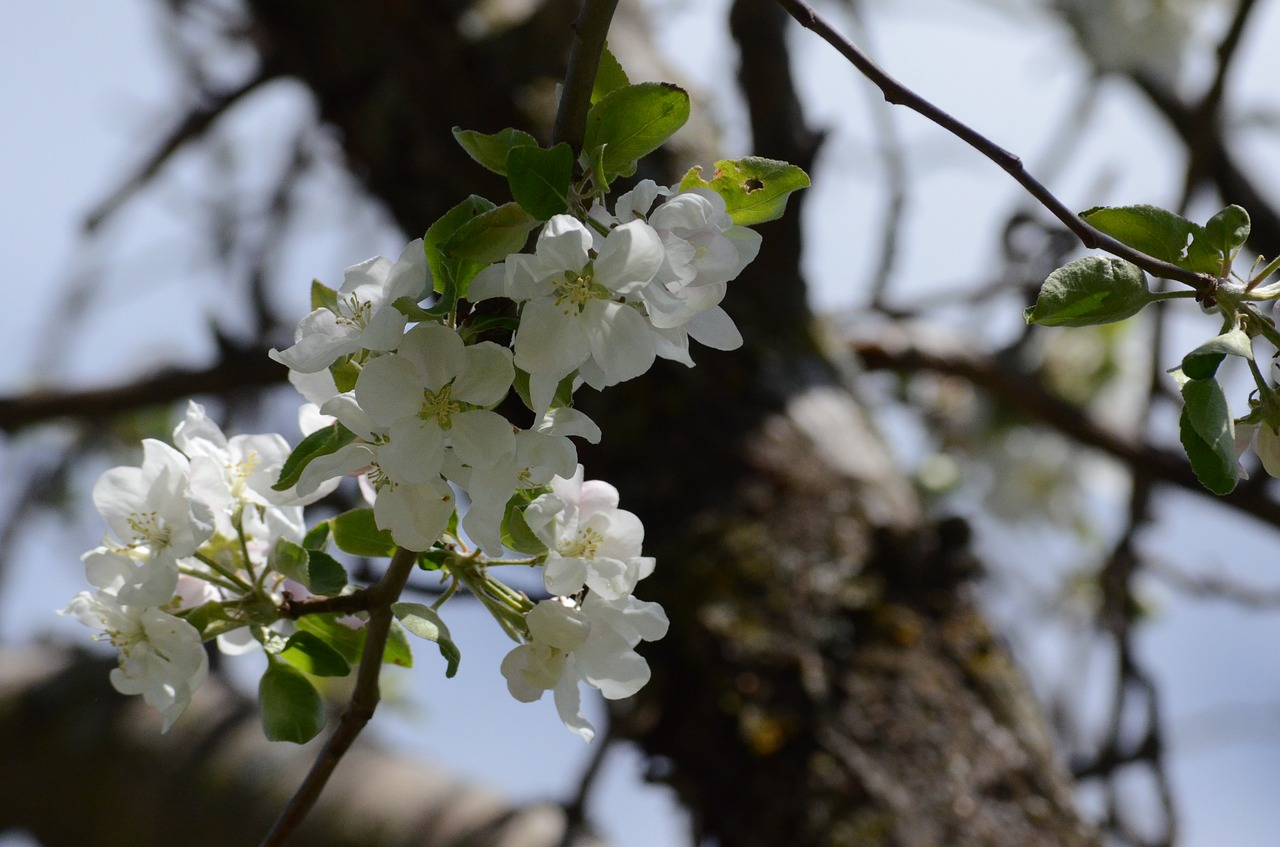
289	559
323	297
632	121
1208	435
755	190
1092	290
292	709
516	534
356	532
1202	362
491	150
452	275
325	574
322	442
308	652
1228	230
491	236
317	538
424	622
349	643
609	76
539	179
1157	232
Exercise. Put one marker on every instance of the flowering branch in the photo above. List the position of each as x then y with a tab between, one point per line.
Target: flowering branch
898	94
364	699
343	604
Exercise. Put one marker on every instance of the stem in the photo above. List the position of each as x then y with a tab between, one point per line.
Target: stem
218	568
898	94
364	699
590	30
1157	296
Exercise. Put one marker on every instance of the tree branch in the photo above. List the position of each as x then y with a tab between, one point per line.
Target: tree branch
591	28
364	699
898	94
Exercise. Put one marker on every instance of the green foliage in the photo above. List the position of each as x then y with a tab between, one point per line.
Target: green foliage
539	179
423	622
1208	435
317	570
451	275
356	532
323	297
632	121
492	235
609	76
292	709
1172	238
755	190
491	150
516	534
308	652
349	642
1202	362
1092	290
322	442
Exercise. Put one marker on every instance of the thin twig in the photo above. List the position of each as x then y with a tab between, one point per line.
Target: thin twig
364	699
898	94
590	31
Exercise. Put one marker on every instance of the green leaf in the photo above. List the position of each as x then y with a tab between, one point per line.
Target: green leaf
491	150
322	442
292	709
491	236
308	652
452	275
423	622
755	190
323	297
317	570
516	534
350	642
326	574
1092	290
632	121
1228	230
317	538
539	179
1202	362
609	76
211	619
1157	232
356	532
1208	435
345	372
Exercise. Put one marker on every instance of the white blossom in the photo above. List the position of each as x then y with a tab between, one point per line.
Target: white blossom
161	656
366	317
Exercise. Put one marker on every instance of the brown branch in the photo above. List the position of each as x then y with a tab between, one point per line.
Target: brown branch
898	94
364	699
907	349
236	369
344	604
590	30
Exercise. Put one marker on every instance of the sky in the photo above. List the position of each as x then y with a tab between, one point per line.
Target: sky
85	92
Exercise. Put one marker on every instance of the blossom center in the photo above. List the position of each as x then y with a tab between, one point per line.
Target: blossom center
574	290
354	312
582	546
149	527
439	406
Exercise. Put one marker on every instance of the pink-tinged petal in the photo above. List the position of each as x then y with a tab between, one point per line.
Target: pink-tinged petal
607	662
318	341
597	497
621	340
556	625
389	389
686	211
486	374
564	576
563	244
747	242
630	256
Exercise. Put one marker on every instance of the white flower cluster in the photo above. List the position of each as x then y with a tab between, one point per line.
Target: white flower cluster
589	631
181	526
407	405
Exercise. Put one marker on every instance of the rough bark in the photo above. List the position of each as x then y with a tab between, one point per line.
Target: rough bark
829	679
